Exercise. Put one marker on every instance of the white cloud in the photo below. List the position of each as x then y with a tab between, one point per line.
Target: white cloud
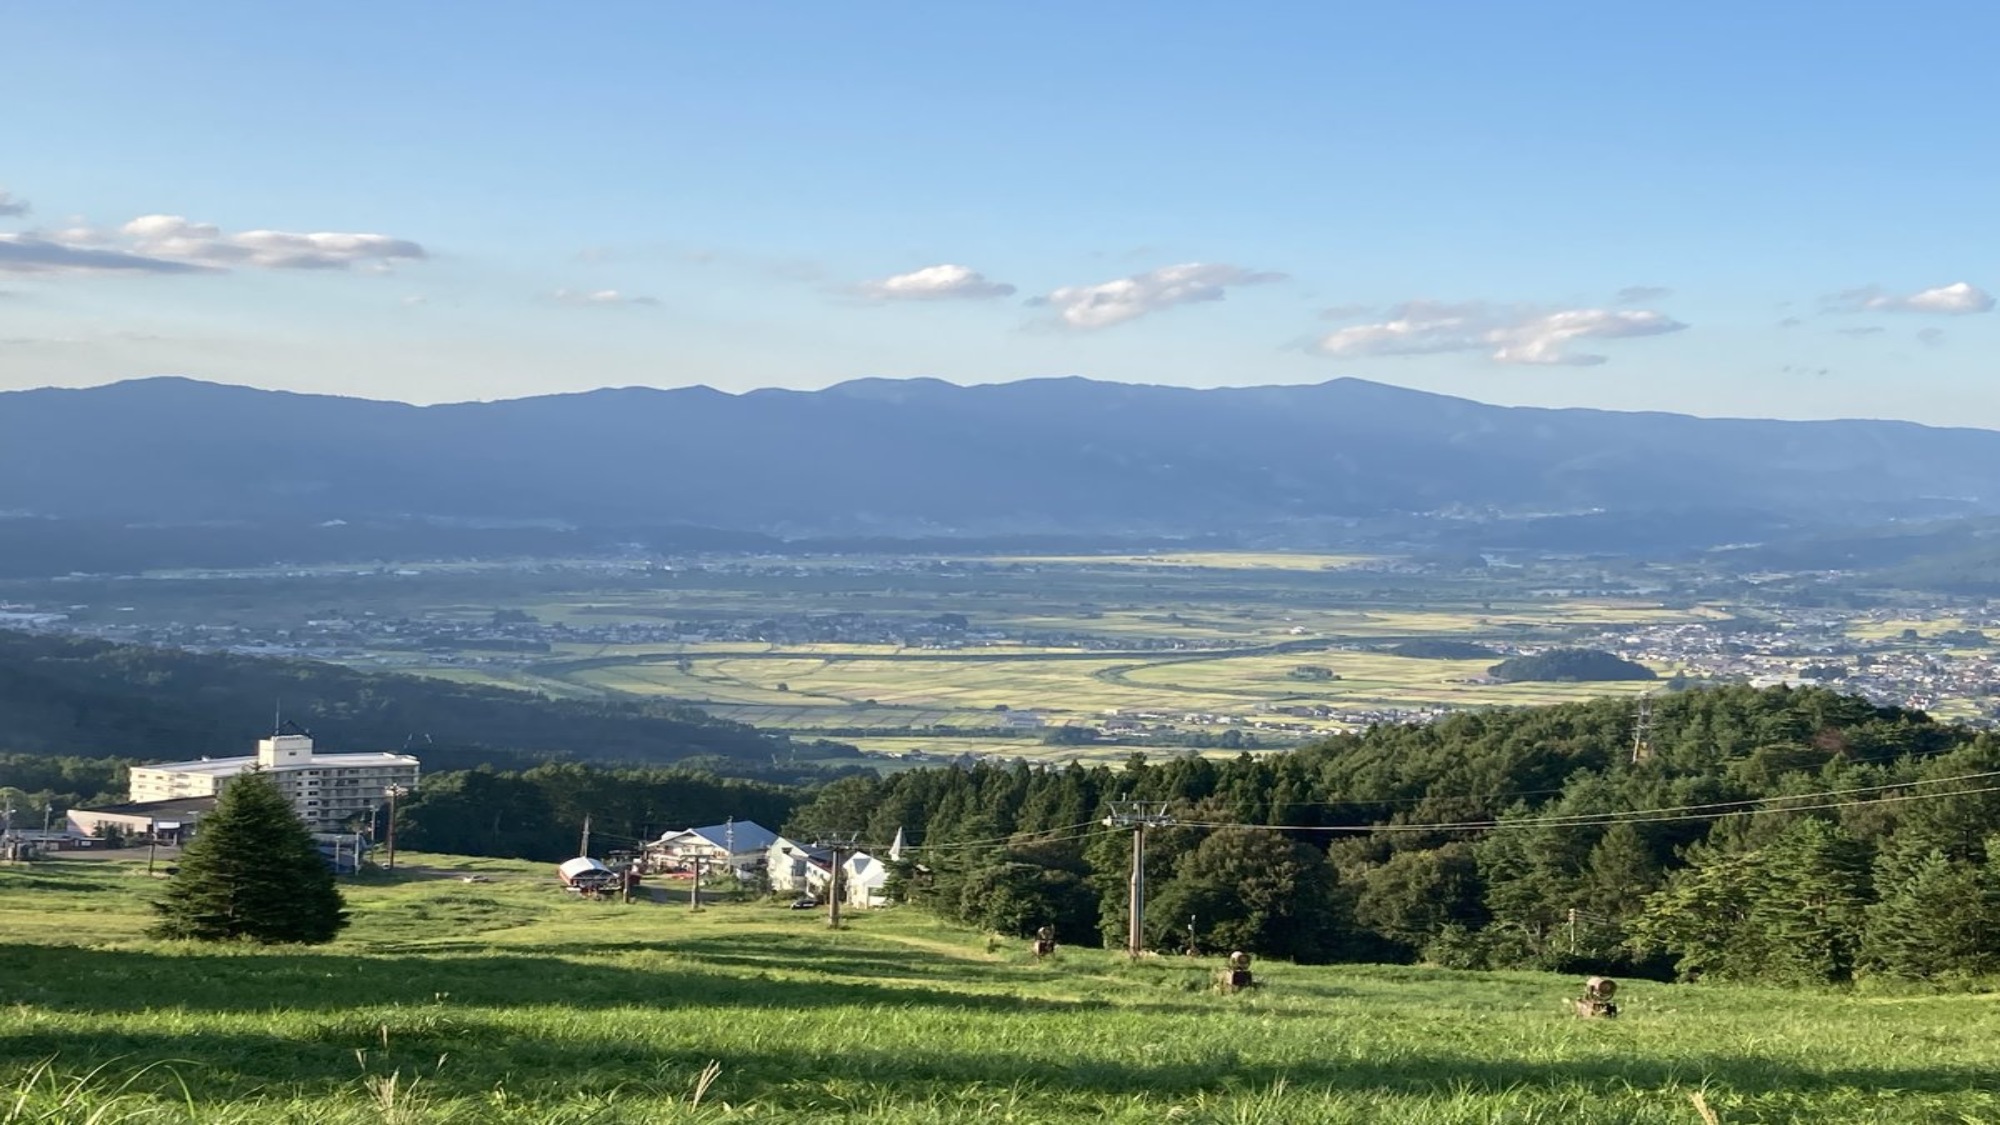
1128	298
175	238
11	204
598	297
1956	299
1506	333
940	282
172	244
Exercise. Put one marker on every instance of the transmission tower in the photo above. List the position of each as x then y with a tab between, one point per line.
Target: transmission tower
1642	731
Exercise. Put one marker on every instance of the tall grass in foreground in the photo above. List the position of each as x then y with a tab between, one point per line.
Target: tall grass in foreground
511	1004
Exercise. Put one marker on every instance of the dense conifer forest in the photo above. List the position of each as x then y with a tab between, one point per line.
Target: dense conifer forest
1794	835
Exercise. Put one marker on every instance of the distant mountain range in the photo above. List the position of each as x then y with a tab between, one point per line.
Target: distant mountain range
927	459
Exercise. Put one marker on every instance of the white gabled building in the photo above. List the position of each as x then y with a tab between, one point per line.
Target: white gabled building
327	790
741	845
796	868
790	866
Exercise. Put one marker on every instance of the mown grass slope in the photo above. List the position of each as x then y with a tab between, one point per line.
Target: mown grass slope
506	1001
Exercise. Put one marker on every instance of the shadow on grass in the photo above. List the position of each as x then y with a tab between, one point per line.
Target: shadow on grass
75	979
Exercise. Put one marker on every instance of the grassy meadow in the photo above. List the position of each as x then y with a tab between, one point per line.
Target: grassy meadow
507	1001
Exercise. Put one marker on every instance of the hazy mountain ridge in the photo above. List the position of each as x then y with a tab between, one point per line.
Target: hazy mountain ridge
923	457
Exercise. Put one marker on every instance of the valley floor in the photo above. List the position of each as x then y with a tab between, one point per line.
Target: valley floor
505	1000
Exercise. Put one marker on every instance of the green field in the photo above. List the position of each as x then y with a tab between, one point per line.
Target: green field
803	690
1190	645
506	1001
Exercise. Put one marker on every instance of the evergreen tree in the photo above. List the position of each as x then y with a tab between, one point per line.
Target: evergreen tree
1251	890
1809	908
1416	894
1702	917
252	872
1937	917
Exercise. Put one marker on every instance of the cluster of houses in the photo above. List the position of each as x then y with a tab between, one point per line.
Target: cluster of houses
756	856
336	794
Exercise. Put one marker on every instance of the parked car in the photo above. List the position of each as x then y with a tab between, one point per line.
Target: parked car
806	903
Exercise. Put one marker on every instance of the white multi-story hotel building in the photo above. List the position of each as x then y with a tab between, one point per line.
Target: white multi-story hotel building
328	790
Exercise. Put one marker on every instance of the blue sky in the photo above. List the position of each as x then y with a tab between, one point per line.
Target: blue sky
1783	212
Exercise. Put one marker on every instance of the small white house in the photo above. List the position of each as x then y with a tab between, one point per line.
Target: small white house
789	865
863	880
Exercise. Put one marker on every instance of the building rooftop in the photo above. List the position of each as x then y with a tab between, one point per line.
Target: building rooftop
224	767
173	806
745	835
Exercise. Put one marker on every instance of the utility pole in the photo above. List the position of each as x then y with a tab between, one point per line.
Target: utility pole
840	845
1572	929
1138	816
393	792
583	849
152	847
694	895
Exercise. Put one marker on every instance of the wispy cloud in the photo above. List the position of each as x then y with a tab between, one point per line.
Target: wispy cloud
1868	330
11	204
1930	337
599	298
176	239
29	253
932	283
1128	298
1514	334
162	244
1957	299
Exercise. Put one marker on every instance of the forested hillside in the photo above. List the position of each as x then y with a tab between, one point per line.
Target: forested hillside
1781	834
77	700
1569	664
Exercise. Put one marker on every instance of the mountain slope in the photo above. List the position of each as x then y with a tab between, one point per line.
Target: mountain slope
921	457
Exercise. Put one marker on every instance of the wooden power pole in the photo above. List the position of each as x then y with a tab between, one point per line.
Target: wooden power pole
1138	816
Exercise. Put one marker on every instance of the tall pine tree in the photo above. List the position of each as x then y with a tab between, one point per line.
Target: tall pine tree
1937	917
252	872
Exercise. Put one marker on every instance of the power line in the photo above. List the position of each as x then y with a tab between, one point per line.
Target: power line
1009	838
1645	816
1916	758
